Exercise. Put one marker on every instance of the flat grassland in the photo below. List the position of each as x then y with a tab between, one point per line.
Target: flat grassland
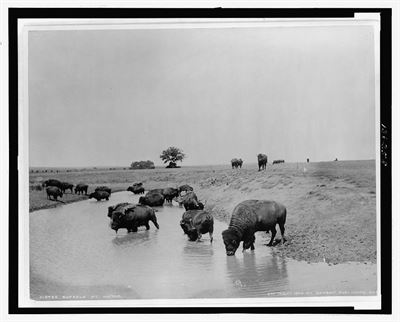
331	205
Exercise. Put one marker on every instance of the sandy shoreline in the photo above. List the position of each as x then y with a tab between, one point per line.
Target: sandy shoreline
331	205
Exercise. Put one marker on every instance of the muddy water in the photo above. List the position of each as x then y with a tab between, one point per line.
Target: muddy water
75	255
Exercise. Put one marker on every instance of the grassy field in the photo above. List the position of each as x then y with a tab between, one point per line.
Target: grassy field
331	205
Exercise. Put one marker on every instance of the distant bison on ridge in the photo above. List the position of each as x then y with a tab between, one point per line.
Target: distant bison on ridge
278	161
262	161
250	216
236	163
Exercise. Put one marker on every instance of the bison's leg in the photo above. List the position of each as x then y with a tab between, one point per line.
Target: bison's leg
198	235
273	231
147	226
211	236
282	229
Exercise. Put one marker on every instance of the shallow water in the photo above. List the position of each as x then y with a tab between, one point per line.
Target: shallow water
74	254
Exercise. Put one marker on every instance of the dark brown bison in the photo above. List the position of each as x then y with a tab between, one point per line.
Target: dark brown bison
190	201
121	207
236	163
250	216
53	192
170	193
152	199
99	195
262	161
52	183
185	188
81	188
136	189
278	161
132	217
103	188
66	186
197	222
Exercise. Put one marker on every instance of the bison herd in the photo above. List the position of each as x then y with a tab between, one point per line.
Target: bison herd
247	218
262	162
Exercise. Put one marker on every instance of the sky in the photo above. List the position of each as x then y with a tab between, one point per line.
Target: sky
111	97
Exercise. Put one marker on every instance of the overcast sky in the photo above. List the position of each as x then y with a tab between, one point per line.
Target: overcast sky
110	97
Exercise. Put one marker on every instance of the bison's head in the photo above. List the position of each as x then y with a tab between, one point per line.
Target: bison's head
92	195
130	189
117	220
231	241
143	200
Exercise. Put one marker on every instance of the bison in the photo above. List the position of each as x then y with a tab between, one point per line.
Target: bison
99	195
81	188
185	188
103	188
190	201
236	163
170	193
52	183
278	161
136	189
262	161
54	192
118	207
152	199
161	190
65	186
197	222
131	217
250	216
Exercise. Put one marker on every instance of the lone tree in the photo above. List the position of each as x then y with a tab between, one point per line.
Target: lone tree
172	155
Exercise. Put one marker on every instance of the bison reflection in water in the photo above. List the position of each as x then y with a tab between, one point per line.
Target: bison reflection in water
250	216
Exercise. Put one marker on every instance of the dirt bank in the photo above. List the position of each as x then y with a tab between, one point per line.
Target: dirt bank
331	206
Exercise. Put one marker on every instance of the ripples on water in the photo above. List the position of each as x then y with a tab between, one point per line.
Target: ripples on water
74	251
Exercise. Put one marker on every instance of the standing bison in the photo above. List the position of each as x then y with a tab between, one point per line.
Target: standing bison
250	216
52	183
136	189
190	201
131	217
81	188
66	186
197	222
103	188
53	192
152	199
236	163
170	193
99	195
278	161
262	161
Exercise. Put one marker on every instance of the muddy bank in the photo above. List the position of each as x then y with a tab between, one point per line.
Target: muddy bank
331	205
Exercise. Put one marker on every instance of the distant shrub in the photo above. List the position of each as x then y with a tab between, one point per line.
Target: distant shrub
142	165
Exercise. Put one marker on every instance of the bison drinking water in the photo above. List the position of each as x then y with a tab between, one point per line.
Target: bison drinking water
250	216
131	217
197	222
